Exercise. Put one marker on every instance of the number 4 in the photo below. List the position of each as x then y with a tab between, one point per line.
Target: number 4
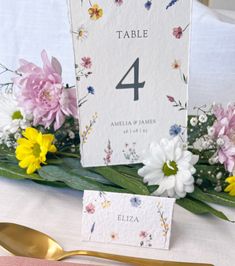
136	85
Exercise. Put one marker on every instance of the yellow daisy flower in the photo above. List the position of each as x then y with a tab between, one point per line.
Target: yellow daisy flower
95	12
231	187
33	148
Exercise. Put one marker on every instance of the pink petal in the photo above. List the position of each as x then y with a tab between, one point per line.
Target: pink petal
56	65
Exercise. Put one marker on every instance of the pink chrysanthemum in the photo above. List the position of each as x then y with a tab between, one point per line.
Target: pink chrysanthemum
224	133
42	93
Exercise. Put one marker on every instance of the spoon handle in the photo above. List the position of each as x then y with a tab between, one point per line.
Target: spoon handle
127	259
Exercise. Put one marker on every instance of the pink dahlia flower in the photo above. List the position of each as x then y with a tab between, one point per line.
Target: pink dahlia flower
224	131
42	93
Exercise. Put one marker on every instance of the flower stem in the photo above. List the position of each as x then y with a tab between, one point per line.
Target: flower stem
185	28
68	154
6	69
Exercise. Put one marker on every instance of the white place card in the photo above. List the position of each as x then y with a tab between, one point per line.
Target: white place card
132	74
142	221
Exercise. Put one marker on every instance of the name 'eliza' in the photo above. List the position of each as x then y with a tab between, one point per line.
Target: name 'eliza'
128	218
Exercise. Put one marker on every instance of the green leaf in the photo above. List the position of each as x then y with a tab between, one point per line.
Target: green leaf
128	171
152	188
77	169
55	161
213	197
51	184
15	172
57	173
7	155
199	207
221	198
134	186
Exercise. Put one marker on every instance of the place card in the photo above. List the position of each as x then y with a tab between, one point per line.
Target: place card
141	221
131	63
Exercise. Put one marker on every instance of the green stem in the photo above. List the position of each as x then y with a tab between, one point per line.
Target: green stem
185	28
68	154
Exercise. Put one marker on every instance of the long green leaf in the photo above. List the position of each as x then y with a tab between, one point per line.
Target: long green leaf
199	207
56	173
128	171
56	184
221	198
76	168
121	180
13	171
213	197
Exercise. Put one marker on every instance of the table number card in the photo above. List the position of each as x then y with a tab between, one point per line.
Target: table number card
141	221
132	74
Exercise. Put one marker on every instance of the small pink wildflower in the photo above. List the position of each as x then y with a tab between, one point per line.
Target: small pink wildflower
86	62
143	234
90	208
178	32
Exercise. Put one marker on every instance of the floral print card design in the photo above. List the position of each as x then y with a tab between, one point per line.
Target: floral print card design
127	219
131	66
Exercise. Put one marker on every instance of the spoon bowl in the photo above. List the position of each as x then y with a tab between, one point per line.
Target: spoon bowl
23	241
26	242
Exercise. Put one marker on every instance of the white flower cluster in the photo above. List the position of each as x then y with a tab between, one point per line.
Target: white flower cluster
206	141
70	131
12	120
201	119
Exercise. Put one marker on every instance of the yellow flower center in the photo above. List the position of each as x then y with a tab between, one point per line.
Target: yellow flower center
16	115
46	95
36	150
170	168
80	33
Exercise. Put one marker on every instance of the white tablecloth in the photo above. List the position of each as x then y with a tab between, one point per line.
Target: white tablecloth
57	212
27	27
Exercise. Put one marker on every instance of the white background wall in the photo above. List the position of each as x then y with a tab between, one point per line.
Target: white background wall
223	4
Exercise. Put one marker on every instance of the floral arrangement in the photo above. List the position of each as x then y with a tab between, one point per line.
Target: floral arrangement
39	140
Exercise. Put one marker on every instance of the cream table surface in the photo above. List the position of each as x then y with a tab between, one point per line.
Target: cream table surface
57	212
29	26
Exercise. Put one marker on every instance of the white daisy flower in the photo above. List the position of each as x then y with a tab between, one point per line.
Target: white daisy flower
82	33
11	118
169	166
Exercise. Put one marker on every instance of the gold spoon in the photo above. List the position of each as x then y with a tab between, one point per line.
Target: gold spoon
23	241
